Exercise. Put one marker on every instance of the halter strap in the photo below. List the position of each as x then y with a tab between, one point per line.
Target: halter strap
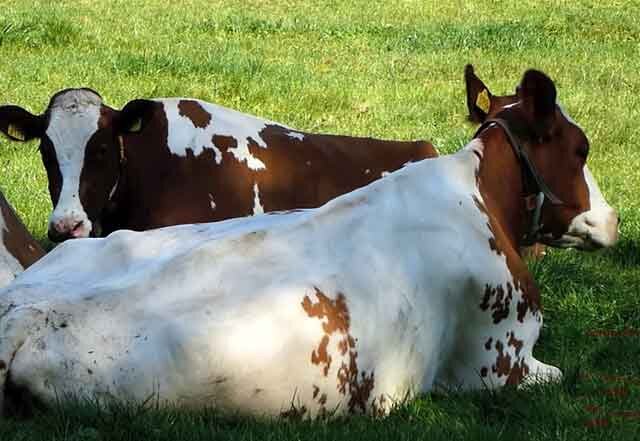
534	186
123	160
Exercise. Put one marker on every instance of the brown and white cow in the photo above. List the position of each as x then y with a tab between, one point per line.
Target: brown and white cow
410	283
18	248
171	161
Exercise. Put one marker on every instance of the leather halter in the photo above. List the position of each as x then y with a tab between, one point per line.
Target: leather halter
123	160
534	188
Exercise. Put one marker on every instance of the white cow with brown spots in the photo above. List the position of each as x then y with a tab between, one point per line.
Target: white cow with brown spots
410	283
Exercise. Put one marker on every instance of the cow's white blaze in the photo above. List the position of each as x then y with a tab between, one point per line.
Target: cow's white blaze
73	120
595	228
224	122
257	206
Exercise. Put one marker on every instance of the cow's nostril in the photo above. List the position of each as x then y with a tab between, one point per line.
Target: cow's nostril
589	223
77	225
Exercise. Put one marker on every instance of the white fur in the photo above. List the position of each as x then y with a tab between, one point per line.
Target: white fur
211	314
257	206
73	120
296	135
595	228
224	122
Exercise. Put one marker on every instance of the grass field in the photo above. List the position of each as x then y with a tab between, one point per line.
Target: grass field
384	69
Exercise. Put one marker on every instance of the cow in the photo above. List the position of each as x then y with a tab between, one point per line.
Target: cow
18	248
411	283
171	161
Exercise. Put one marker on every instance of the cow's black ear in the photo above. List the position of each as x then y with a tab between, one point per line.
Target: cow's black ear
478	96
538	95
132	117
19	124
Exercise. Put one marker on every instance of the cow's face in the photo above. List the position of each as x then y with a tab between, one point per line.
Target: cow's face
80	152
559	149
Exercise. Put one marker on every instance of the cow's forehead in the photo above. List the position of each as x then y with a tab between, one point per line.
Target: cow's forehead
73	119
75	100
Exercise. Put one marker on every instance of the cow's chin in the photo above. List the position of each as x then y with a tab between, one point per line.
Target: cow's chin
583	242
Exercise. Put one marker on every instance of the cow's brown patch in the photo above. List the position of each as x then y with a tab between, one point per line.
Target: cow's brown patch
350	380
516	343
519	370
224	143
514	370
357	383
501	303
320	356
16	239
334	311
195	112
502	365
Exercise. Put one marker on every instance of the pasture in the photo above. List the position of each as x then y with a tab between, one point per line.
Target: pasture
385	69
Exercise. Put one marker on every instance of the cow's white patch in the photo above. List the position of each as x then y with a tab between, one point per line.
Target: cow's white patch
212	203
384	173
595	228
257	206
73	120
367	171
296	135
224	122
183	135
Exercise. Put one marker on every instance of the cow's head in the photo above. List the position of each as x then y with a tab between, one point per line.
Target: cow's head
559	149
81	152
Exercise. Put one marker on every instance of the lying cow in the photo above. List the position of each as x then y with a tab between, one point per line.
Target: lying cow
172	161
410	283
18	248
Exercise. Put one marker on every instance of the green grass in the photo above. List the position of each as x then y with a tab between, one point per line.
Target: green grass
385	69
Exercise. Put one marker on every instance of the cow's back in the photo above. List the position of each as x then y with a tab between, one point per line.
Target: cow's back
199	162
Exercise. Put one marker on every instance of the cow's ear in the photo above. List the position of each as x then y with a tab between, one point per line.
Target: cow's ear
478	96
538	95
133	116
19	124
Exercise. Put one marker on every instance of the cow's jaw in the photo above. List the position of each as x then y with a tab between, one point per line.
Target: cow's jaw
594	229
72	123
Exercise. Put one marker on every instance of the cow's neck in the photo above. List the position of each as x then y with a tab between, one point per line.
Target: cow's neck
500	183
501	186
